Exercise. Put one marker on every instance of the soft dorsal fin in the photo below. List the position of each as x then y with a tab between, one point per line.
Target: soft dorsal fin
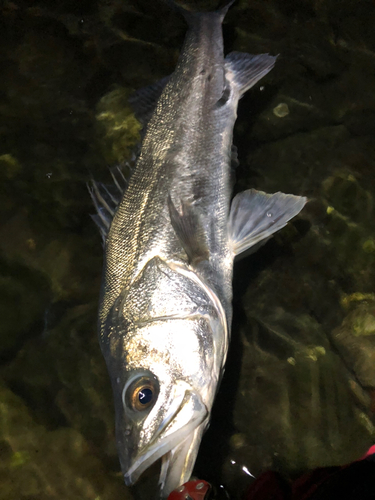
255	216
144	100
245	70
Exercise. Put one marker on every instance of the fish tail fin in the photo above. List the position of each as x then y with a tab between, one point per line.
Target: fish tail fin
245	70
191	16
223	10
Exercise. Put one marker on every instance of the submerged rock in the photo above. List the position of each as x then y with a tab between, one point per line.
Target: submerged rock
355	340
21	310
293	385
117	127
48	464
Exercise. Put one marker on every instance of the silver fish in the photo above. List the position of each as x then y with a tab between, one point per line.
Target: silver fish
165	307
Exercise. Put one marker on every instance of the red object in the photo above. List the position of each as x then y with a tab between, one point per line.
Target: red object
371	451
194	490
272	486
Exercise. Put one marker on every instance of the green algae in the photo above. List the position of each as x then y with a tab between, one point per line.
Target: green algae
19	458
9	166
118	128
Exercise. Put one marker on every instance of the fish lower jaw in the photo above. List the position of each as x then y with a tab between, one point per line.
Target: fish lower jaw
173	473
177	446
177	465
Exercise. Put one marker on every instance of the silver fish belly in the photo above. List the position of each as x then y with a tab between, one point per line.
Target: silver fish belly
165	307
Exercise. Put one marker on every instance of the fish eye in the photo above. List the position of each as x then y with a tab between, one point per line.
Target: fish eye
142	393
142	397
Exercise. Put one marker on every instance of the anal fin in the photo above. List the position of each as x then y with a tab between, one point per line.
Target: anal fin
255	216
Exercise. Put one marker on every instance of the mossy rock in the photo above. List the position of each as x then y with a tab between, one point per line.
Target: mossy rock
48	465
117	127
355	340
24	296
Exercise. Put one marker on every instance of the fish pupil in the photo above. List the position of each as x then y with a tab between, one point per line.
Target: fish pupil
145	396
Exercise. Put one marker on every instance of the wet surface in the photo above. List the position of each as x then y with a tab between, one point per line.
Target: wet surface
299	389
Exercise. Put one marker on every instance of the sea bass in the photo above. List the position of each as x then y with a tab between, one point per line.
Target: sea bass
165	307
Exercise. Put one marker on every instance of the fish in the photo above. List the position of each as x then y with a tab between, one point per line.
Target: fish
169	245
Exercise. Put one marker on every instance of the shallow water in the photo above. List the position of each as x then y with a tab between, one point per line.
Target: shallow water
299	388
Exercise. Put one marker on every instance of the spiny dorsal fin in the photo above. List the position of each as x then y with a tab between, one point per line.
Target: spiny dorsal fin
255	216
189	230
106	199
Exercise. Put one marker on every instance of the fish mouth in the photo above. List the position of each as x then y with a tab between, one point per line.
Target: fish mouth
178	463
176	441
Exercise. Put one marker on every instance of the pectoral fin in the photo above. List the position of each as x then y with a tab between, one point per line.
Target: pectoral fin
255	216
189	230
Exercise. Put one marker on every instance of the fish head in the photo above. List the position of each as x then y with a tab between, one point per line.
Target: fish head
162	400
163	365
